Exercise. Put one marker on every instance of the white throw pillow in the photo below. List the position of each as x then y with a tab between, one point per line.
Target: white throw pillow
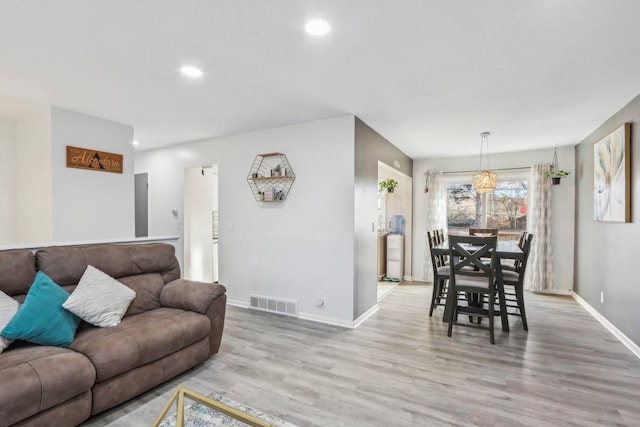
8	309
99	299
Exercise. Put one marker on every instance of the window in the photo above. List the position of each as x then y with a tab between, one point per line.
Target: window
505	208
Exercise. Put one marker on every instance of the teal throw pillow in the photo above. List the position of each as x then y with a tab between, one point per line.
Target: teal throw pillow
41	318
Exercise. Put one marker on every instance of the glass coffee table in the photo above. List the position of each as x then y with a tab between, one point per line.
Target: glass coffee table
182	393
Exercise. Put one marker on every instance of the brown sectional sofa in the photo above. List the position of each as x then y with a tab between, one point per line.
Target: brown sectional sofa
171	326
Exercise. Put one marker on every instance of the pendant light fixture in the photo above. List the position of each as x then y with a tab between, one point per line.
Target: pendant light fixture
485	180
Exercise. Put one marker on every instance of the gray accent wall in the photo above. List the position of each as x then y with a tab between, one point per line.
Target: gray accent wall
604	252
370	147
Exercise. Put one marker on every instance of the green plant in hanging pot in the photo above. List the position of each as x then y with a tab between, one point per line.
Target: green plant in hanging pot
388	184
556	175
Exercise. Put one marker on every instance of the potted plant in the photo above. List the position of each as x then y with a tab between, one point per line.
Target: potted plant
556	175
276	170
261	196
389	184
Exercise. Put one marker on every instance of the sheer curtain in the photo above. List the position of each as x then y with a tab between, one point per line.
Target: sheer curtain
539	275
435	198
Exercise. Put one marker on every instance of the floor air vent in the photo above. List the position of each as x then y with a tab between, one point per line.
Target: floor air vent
273	305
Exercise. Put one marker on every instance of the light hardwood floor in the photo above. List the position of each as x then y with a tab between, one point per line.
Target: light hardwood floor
399	368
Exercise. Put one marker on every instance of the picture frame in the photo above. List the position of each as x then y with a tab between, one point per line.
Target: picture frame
612	176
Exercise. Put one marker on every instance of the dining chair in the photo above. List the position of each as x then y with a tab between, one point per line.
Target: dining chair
444	259
513	281
440	274
483	232
512	264
522	238
476	231
469	275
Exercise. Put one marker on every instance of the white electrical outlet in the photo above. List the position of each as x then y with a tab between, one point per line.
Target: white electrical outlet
601	297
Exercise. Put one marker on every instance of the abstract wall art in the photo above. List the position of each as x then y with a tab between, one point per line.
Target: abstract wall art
612	176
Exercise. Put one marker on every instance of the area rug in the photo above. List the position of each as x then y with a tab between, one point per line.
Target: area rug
198	415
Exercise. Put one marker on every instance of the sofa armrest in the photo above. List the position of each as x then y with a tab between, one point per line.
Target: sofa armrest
205	298
189	295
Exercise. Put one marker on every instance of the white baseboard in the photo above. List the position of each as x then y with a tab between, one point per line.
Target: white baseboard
554	292
237	303
633	347
320	319
339	322
326	320
408	278
365	316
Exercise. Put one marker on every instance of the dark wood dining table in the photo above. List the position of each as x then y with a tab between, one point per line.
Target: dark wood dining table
505	250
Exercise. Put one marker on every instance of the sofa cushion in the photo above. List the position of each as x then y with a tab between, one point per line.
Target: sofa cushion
41	319
8	309
66	265
140	339
35	378
147	287
99	299
17	271
144	268
118	389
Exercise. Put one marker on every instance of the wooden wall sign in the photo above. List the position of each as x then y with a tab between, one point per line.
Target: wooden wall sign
85	158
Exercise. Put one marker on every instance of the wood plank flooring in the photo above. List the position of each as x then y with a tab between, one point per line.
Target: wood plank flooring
399	368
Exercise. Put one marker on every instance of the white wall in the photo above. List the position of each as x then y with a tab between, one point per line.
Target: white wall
8	182
34	209
299	249
563	206
89	204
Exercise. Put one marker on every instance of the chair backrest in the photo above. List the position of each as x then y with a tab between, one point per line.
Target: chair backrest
436	261
521	265
441	239
432	238
475	231
522	239
466	253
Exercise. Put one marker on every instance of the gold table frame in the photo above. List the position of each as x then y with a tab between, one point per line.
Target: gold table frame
179	397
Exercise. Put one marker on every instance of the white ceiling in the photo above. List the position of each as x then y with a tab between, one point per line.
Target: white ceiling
429	75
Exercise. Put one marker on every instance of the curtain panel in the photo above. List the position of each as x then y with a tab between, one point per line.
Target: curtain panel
539	274
435	199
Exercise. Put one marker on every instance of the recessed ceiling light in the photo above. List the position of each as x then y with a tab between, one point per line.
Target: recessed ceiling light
191	71
317	27
134	142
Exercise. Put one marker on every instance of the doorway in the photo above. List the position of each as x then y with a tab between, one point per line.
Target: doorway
394	253
201	223
141	204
